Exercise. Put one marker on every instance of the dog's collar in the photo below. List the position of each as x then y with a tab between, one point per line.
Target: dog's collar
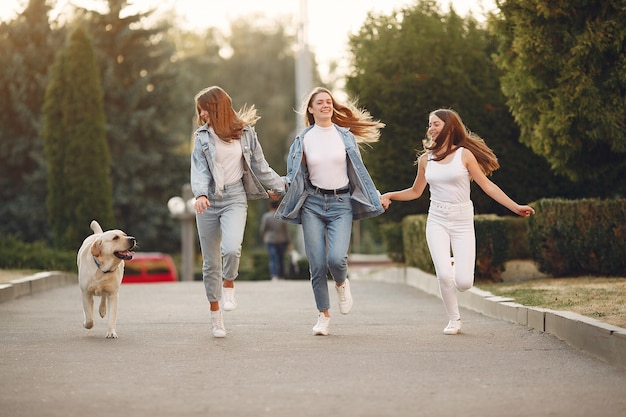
100	266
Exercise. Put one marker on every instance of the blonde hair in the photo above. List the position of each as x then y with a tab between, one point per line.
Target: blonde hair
360	122
226	123
459	136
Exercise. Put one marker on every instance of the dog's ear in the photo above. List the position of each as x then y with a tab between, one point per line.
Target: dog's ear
96	248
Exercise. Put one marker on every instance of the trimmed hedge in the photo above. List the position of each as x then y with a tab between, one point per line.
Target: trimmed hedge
15	254
579	237
564	238
392	239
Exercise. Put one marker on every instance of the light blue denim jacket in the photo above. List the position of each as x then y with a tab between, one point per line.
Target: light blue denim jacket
364	197
208	179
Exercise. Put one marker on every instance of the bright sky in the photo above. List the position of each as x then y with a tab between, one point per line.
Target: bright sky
330	22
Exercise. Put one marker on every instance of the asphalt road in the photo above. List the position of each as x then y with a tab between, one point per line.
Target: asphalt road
388	357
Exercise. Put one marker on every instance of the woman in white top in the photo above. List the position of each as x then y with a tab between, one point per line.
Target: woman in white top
452	157
227	169
329	188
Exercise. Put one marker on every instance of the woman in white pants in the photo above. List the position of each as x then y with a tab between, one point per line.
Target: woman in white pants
452	157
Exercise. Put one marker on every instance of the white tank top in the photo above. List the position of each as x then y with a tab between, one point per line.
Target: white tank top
449	182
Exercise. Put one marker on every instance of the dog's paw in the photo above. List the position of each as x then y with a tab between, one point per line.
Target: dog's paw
111	335
88	324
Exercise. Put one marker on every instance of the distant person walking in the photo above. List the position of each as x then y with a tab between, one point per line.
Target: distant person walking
453	157
227	169
328	188
276	238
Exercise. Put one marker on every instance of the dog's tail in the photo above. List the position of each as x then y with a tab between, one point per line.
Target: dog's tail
95	226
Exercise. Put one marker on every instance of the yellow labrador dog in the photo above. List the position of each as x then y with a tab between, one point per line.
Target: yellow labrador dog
100	271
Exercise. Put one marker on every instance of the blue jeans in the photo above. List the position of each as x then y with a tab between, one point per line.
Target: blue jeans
221	228
326	226
451	226
276	252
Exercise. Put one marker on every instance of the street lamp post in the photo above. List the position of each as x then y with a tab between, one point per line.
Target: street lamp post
181	208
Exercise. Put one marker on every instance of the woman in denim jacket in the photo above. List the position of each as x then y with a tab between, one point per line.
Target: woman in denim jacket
227	169
328	187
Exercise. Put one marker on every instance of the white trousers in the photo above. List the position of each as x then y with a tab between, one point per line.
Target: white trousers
451	239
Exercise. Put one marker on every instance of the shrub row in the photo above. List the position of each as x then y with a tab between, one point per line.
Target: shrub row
579	237
564	238
15	254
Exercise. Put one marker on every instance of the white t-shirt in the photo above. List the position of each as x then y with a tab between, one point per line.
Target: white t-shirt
229	157
326	158
449	182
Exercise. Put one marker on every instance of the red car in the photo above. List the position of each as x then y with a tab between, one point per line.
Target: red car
149	267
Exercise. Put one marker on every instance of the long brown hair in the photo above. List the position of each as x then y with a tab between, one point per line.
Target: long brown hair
226	123
359	121
460	136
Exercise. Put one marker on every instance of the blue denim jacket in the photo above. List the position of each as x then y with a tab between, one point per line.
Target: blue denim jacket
364	197
207	179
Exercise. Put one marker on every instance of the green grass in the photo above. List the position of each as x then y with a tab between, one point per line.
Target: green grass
597	297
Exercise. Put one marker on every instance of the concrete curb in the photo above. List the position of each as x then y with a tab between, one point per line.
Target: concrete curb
31	284
599	339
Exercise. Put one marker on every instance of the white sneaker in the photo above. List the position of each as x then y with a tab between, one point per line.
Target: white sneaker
345	297
453	327
230	302
217	324
322	326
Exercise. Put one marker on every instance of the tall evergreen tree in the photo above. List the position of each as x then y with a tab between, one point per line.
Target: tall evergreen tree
563	75
142	101
27	48
79	185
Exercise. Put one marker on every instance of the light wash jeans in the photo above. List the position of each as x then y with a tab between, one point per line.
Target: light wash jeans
326	226
221	229
452	226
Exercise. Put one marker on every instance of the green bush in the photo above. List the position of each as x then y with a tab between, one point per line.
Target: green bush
492	246
518	230
15	254
579	237
392	237
416	251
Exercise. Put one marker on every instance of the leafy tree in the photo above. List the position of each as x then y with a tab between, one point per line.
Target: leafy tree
79	184
416	60
141	96
563	69
27	47
261	71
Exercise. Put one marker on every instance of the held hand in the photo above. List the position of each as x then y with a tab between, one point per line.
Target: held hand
201	204
525	211
273	195
385	201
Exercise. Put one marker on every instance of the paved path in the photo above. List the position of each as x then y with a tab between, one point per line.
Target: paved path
388	357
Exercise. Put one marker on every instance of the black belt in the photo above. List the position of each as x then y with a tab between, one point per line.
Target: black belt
343	190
